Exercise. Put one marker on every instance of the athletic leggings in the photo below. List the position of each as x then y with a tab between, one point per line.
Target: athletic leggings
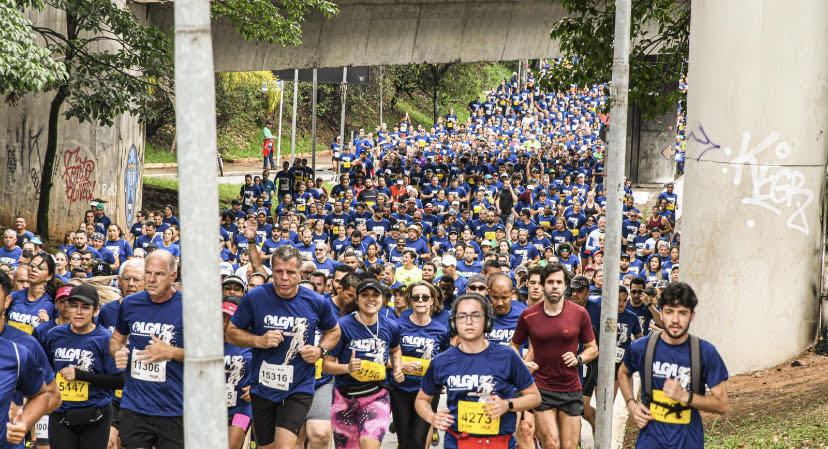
412	431
87	436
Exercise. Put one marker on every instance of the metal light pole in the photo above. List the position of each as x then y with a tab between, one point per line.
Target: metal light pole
342	113
313	125
614	160
281	85
293	119
382	72
205	415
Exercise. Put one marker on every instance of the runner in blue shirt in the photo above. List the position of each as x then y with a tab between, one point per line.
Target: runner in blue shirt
422	337
86	375
152	323
10	252
670	416
238	370
34	305
482	381
361	406
507	311
278	321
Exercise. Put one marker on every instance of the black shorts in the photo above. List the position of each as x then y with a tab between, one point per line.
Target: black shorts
569	402
590	378
116	410
161	432
289	414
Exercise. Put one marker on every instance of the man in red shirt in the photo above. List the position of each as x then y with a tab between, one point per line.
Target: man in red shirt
554	327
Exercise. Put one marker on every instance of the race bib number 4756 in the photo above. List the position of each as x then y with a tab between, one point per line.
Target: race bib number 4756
146	371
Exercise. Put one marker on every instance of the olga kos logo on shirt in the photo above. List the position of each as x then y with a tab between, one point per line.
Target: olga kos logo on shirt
373	347
80	358
234	367
283	322
471	382
666	370
24	318
504	336
424	345
165	332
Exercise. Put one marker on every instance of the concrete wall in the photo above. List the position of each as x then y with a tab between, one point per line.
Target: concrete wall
386	32
92	162
756	167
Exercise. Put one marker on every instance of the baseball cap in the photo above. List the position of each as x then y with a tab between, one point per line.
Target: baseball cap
226	268
86	294
369	284
233	279
101	268
579	282
589	268
661	284
235	203
100	206
448	260
64	291
625	256
36	240
479	278
97	236
630	246
229	304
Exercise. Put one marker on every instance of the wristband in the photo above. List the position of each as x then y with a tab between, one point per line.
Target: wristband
690	398
511	406
580	360
252	242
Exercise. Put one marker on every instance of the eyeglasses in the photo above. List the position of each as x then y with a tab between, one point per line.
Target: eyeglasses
475	317
75	258
306	272
636	292
476	288
420	298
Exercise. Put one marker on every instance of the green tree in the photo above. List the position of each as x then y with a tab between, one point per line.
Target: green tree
116	64
660	32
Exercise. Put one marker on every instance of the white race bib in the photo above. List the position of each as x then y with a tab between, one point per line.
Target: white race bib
146	371
619	355
278	377
42	428
230	395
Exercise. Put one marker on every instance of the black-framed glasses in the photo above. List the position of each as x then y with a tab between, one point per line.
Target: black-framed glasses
636	292
476	288
420	298
476	317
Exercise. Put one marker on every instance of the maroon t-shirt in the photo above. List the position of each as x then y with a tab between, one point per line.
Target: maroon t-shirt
551	337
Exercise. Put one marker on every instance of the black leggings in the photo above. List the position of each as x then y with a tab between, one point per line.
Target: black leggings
87	436
412	431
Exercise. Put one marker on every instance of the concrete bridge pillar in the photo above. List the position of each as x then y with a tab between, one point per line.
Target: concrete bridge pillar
755	175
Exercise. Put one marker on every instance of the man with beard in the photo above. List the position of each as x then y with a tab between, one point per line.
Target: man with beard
669	412
646	311
555	328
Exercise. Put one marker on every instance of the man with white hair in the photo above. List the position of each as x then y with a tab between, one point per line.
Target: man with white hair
10	252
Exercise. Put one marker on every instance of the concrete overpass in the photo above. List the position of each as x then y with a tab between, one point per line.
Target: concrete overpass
395	32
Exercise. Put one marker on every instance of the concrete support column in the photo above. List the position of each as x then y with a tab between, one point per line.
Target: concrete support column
755	175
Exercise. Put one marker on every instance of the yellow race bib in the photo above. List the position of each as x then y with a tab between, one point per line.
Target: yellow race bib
663	411
477	209
489	235
472	418
574	232
119	393
72	390
27	328
423	366
370	372
346	164
317	372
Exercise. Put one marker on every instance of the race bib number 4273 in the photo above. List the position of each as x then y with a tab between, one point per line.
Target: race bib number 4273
146	371
472	418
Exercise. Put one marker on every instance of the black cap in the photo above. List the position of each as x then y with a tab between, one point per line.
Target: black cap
235	202
86	294
625	256
630	247
101	268
579	282
369	284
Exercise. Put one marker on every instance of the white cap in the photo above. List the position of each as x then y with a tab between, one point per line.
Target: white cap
226	268
448	260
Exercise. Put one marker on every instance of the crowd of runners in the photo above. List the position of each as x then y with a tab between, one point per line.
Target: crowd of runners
462	260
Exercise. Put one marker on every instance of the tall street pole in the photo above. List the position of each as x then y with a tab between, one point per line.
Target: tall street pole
281	85
313	126
342	113
205	411
293	119
614	161
382	72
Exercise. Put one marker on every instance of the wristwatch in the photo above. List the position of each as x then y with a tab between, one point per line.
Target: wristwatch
511	406
323	352
580	360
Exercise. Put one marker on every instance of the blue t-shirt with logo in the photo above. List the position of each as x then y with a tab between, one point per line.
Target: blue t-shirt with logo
23	314
19	374
422	342
36	354
108	315
140	319
120	249
673	361
504	325
474	377
281	371
87	352
238	370
10	257
372	343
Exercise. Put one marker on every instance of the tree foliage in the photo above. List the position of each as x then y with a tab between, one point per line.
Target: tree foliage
24	65
660	32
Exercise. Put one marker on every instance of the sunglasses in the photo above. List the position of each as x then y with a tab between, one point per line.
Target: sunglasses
636	292
420	298
476	288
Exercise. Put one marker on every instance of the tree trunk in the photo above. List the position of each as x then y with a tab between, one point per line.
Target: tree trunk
434	97
49	164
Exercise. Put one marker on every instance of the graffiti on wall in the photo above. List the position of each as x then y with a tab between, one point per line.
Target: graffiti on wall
775	187
77	177
131	183
23	153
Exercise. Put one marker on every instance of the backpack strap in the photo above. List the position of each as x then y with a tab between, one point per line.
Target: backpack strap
647	369
695	366
17	353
